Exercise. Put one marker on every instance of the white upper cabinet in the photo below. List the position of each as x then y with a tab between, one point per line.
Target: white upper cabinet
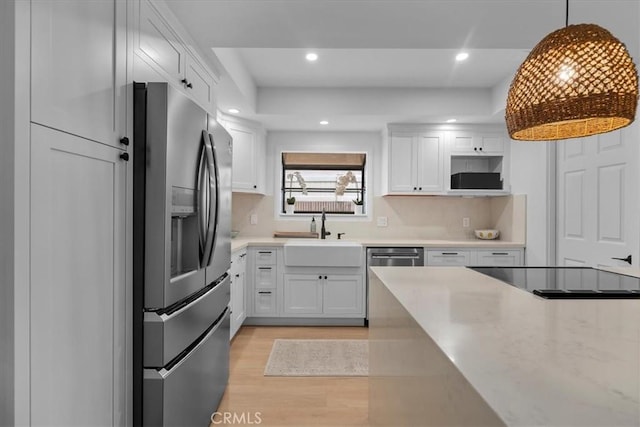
248	154
159	44
423	158
78	74
469	142
416	162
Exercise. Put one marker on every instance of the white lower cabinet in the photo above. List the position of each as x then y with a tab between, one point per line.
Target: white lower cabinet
238	290
474	257
452	257
498	257
327	295
263	266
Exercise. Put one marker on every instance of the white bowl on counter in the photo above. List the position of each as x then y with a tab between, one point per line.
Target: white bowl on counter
487	234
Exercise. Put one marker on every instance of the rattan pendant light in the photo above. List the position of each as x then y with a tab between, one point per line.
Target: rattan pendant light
578	81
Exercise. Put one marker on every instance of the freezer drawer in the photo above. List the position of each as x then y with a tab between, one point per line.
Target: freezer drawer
189	390
168	334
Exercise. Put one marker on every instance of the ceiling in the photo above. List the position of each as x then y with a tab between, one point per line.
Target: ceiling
380	61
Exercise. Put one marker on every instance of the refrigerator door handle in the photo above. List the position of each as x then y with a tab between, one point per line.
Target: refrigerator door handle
202	203
214	180
207	215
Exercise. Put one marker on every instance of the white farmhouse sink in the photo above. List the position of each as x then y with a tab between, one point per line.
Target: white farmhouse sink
322	253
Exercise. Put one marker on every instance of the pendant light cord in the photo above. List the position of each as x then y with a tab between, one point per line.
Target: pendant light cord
566	18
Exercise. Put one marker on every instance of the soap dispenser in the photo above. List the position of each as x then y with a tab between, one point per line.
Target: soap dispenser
313	224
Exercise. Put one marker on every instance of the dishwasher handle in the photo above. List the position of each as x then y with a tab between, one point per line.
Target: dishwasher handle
395	256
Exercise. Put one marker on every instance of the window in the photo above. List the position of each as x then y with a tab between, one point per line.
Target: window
333	182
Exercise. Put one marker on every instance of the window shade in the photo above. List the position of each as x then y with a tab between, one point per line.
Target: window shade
323	160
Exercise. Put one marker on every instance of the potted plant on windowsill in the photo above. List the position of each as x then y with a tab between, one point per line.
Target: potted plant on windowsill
358	202
291	201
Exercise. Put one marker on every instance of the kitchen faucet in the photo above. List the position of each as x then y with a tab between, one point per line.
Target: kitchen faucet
323	231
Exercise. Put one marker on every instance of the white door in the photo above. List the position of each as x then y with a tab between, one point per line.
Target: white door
78	287
598	212
78	67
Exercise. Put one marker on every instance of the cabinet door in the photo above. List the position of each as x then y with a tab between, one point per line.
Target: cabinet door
343	295
491	143
302	294
158	45
78	67
462	142
200	81
498	257
78	285
244	158
477	142
430	162
402	163
238	311
448	257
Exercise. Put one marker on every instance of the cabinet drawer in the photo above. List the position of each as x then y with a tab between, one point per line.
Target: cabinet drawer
265	303
497	257
265	277
266	257
450	257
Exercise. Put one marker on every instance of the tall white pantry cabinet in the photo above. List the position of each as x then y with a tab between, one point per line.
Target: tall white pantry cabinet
65	291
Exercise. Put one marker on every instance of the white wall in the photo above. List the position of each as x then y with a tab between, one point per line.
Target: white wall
418	217
531	164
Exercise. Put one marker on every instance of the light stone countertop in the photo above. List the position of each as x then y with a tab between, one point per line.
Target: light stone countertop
243	242
536	362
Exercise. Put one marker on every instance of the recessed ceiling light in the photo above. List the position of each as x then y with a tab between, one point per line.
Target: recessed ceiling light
324	122
312	57
462	56
233	110
451	120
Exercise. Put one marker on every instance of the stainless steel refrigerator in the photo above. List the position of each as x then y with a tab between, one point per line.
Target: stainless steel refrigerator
182	254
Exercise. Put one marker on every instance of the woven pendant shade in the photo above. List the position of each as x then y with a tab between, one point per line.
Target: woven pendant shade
578	81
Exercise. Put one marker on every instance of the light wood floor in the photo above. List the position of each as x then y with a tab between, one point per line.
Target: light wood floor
291	401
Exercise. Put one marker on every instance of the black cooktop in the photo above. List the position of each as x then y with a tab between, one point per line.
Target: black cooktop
567	282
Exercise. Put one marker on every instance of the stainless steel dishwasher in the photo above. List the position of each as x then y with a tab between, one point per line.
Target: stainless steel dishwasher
392	257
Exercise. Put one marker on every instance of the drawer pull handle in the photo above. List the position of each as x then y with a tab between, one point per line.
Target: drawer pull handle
499	253
449	253
264	252
264	268
265	292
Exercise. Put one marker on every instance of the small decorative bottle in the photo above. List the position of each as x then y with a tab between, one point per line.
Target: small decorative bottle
313	224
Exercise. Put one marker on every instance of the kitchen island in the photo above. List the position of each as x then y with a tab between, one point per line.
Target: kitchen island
450	346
